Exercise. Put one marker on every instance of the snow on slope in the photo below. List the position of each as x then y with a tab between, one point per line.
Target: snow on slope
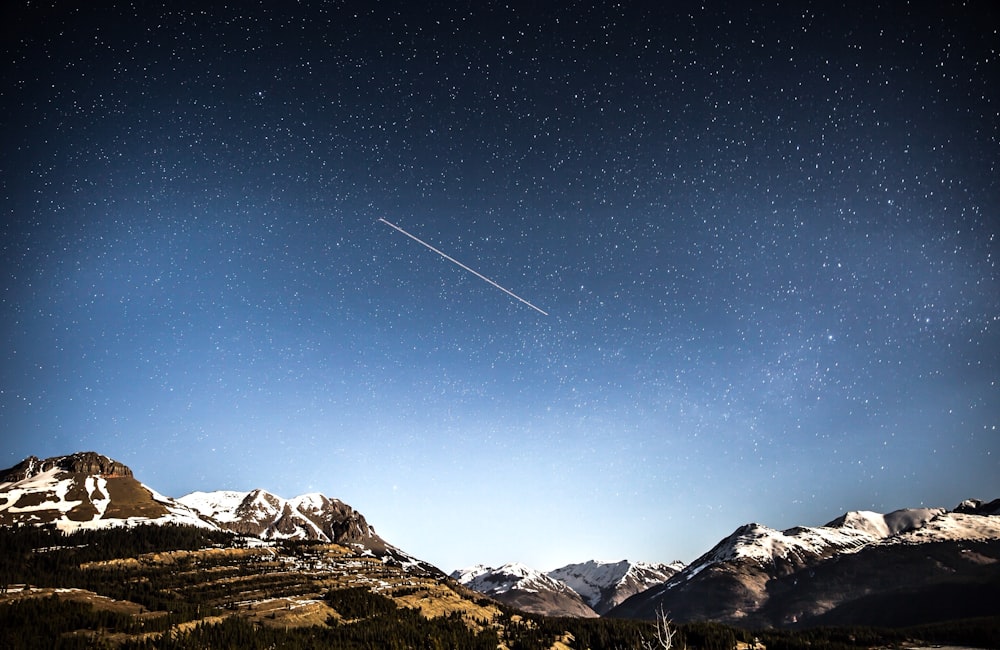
97	488
847	534
765	545
179	513
269	516
257	512
591	579
88	490
882	526
311	502
220	506
46	498
951	526
50	482
469	575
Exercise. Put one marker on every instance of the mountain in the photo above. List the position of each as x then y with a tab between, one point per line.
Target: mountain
527	589
905	567
312	516
603	585
864	568
156	586
265	515
84	490
88	490
80	567
587	589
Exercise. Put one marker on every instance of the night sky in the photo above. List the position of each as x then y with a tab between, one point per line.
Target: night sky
766	239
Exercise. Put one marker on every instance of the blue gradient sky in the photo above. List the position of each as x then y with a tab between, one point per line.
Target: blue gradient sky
766	239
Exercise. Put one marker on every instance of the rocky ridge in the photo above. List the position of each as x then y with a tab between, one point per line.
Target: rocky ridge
86	462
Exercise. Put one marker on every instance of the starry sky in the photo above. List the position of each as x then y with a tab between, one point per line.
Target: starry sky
765	236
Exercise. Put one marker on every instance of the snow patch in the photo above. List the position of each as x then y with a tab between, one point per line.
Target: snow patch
220	505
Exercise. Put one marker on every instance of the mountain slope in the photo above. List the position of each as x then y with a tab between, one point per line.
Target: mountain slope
763	577
84	490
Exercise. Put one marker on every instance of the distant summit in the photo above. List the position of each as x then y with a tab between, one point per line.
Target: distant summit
587	589
603	585
977	507
525	588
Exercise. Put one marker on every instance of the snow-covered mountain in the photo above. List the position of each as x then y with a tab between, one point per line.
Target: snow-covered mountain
268	516
586	589
603	585
84	490
525	588
849	533
863	568
88	490
761	576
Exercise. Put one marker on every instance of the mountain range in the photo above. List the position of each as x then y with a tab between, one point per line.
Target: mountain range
87	490
524	588
588	589
905	567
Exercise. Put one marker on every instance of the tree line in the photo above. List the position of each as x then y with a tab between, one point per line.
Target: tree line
178	592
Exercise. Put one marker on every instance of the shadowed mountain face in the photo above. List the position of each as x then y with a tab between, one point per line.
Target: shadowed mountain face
904	568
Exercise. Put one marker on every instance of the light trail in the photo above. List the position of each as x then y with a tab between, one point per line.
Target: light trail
454	261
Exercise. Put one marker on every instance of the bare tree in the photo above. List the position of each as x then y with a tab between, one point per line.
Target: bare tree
665	633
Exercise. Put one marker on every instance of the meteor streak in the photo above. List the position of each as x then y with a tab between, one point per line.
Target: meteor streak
472	271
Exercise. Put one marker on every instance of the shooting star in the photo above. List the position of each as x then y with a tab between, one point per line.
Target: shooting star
472	271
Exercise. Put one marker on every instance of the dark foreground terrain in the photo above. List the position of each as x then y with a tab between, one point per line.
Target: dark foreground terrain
185	587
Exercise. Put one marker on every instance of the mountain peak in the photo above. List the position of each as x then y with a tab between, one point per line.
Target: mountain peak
82	462
82	490
263	514
883	526
978	507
